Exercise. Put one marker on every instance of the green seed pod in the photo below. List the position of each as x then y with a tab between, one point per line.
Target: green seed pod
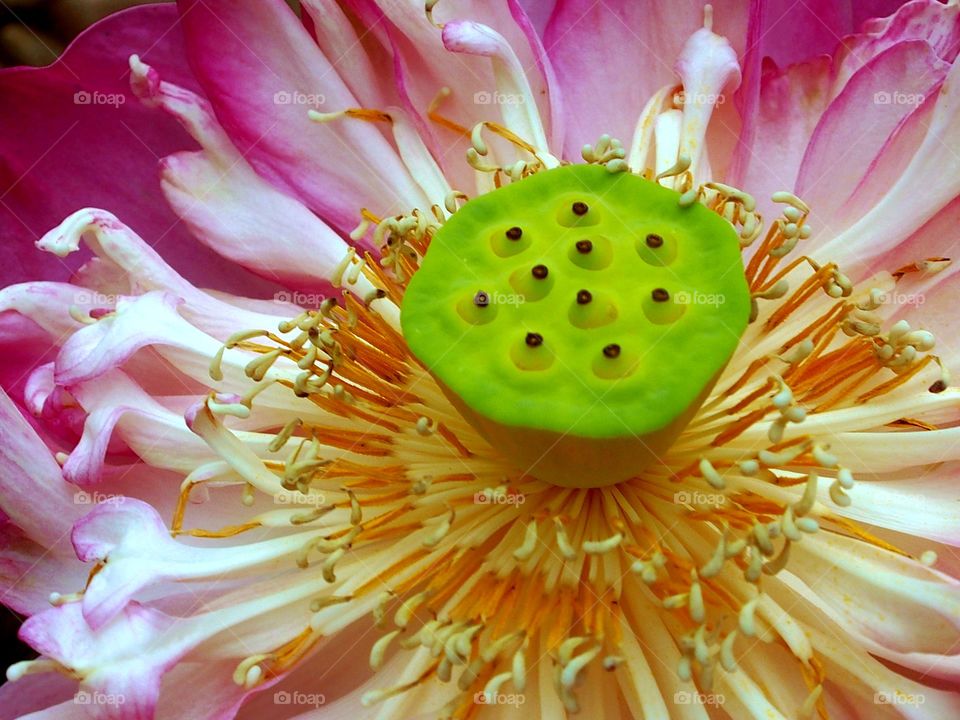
579	318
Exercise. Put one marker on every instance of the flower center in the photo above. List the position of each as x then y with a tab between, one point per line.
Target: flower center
578	319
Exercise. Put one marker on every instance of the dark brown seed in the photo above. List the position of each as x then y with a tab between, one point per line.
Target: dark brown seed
584	246
654	241
534	339
938	387
481	299
584	297
540	271
579	208
660	295
514	233
612	351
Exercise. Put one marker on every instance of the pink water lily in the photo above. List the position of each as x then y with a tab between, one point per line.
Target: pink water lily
218	505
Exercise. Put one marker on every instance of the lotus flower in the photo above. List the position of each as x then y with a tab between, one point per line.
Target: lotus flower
606	370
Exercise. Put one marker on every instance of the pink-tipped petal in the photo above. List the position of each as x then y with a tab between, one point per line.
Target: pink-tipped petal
115	242
29	571
262	73
227	205
853	131
32	490
73	136
118	661
903	210
39	694
611	57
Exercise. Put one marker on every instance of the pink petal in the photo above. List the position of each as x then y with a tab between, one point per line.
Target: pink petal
228	206
116	660
791	101
335	31
520	115
255	61
856	125
113	241
422	65
929	21
790	105
32	491
110	341
103	530
903	210
893	605
29	572
60	154
796	31
202	690
611	57
34	693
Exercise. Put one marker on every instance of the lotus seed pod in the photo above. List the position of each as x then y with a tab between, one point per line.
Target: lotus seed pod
578	319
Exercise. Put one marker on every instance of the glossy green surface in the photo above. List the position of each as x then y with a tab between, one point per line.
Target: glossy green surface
669	350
